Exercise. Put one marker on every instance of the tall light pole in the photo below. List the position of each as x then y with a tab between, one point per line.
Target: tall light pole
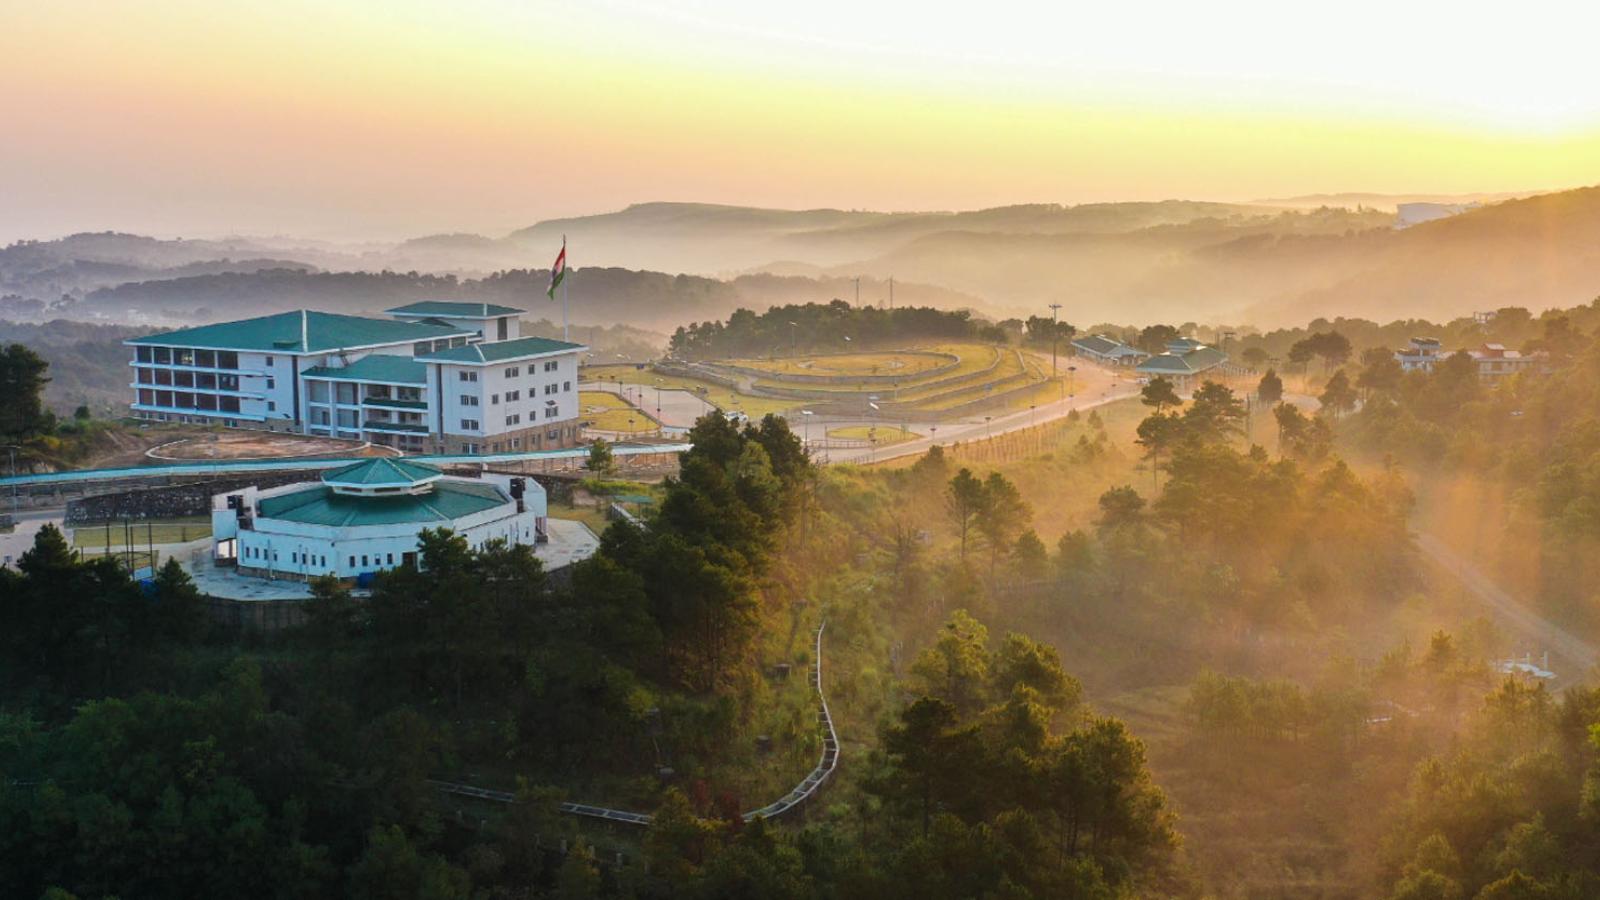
792	328
805	419
1054	336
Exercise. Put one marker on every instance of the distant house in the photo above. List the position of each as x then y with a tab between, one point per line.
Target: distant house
1103	349
1495	363
1185	363
1420	356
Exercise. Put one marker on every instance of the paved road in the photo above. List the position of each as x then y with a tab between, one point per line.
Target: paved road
1580	653
950	432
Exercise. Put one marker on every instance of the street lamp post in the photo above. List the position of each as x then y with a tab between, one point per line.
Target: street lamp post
805	426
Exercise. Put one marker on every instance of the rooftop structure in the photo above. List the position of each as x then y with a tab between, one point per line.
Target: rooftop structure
1107	350
1494	362
439	376
1183	363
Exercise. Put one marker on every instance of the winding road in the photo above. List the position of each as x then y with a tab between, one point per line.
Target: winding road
1581	654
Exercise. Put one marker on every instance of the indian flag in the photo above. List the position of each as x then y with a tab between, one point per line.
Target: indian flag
558	269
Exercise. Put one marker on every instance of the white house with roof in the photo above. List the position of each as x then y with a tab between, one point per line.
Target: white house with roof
1186	363
1420	356
1107	350
438	376
366	517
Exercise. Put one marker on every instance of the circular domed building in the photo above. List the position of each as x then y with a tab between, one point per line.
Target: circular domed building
363	518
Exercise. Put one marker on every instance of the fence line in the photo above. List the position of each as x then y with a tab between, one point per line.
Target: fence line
802	793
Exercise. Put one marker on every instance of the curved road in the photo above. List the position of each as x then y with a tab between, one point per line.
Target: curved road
1582	654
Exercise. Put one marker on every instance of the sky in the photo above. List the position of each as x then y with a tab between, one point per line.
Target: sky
385	119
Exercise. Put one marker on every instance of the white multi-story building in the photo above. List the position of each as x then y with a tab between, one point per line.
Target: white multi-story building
439	377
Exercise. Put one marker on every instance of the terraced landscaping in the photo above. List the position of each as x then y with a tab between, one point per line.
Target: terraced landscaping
941	380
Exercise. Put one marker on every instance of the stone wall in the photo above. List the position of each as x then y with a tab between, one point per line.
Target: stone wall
172	502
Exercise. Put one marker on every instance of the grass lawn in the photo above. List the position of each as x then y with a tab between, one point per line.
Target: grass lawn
588	515
606	411
159	531
885	434
877	363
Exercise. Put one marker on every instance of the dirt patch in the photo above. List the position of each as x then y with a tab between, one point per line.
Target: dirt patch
258	445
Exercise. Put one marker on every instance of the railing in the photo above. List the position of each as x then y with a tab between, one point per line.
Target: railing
802	793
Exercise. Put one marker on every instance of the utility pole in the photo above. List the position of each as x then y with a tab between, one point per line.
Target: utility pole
1054	332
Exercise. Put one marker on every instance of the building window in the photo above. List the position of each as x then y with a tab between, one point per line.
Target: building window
566	385
163	356
494	399
514	419
550	366
469	400
468	376
271	384
513	396
364	562
352	562
271	406
142	354
269	360
513	372
391	559
549	412
469	425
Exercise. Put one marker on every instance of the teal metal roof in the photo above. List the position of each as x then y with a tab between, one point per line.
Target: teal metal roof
1184	364
375	367
281	332
502	351
454	310
448	501
382	470
1099	343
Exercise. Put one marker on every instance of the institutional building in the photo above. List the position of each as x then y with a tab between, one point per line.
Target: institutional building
1185	363
1107	350
439	377
366	517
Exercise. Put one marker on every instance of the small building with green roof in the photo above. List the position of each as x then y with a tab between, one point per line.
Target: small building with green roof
367	517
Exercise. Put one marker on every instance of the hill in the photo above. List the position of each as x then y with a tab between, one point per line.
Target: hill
598	296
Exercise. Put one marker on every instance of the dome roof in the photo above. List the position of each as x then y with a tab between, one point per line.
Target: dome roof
382	476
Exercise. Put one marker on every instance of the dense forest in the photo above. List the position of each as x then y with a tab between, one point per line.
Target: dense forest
825	327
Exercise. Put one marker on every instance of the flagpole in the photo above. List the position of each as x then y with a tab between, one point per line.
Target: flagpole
565	333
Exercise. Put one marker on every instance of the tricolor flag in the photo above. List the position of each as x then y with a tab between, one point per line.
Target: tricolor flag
558	269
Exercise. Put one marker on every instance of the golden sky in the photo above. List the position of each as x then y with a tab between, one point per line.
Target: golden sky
385	118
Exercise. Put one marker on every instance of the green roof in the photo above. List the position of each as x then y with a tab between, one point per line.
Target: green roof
382	367
454	310
1197	360
501	351
320	505
281	332
381	470
1099	343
